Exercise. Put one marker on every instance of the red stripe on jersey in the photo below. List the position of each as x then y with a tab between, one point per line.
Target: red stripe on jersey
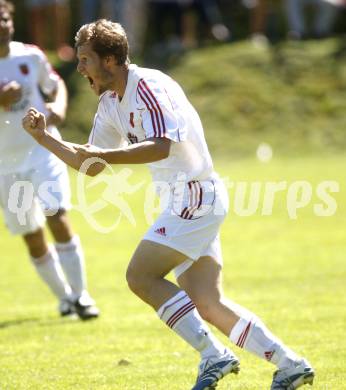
157	104
196	192
152	104
144	96
183	212
200	195
196	198
193	198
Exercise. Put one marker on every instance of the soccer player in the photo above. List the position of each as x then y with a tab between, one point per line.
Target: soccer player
25	76
150	111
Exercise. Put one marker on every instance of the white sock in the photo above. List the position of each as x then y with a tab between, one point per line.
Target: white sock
180	314
72	261
251	334
50	271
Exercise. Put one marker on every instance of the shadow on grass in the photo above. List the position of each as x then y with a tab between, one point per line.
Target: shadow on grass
39	321
17	322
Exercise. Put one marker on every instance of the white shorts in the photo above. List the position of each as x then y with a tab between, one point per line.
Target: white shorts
191	222
27	197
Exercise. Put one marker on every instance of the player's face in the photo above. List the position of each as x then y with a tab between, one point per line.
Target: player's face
91	66
6	27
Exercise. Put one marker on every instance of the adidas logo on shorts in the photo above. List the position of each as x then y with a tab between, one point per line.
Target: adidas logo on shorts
161	231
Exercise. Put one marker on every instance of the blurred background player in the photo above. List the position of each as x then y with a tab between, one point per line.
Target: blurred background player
25	75
324	16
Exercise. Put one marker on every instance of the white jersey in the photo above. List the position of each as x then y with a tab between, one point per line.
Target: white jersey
153	106
27	65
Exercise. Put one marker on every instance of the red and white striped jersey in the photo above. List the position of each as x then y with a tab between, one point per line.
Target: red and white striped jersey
154	105
29	67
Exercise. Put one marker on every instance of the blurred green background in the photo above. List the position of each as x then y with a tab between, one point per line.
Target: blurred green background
288	94
291	96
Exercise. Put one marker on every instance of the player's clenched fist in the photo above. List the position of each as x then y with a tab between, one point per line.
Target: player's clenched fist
34	122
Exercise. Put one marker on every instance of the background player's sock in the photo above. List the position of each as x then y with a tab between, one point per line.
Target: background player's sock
72	261
180	314
50	271
252	335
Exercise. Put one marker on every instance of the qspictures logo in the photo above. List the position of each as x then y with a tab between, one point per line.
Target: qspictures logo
115	200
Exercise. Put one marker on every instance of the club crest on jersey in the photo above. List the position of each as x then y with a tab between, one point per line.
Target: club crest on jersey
132	123
268	355
132	138
24	69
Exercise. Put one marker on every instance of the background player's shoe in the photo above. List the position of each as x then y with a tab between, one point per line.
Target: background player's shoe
85	307
213	369
293	377
66	308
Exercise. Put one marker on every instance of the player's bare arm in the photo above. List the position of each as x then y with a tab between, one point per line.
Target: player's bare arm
58	105
34	122
10	93
153	149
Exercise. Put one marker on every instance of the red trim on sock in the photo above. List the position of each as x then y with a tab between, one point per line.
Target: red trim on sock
243	336
180	313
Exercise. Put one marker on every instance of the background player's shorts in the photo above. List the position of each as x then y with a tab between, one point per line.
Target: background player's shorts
191	222
27	197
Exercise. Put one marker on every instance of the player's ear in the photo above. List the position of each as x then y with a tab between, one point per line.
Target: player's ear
111	60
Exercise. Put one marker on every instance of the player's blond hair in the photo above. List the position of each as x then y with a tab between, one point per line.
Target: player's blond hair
7	5
106	38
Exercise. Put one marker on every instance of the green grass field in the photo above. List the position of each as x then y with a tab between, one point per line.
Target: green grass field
291	272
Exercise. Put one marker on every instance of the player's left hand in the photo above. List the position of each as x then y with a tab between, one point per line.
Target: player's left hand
34	122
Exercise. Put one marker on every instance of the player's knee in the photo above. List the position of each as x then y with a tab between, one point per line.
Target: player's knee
136	281
35	243
205	312
58	219
131	279
59	226
207	309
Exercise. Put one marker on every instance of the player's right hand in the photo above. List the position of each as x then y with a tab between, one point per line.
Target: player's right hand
10	93
34	122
